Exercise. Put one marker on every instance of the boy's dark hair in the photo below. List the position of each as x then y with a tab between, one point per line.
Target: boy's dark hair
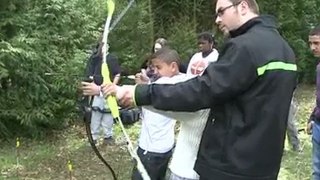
167	55
315	31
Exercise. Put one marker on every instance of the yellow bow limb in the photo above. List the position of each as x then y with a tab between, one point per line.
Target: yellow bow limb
111	100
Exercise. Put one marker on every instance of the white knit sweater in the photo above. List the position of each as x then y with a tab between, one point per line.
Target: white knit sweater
192	125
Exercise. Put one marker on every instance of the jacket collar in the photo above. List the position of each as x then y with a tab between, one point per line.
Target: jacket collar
245	27
265	20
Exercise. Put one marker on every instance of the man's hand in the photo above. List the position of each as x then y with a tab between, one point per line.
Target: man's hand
124	94
309	127
90	89
142	78
109	89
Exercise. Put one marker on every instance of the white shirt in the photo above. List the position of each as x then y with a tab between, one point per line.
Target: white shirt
157	132
198	64
192	125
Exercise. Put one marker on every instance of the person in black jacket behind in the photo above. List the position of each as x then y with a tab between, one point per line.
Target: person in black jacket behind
249	90
101	116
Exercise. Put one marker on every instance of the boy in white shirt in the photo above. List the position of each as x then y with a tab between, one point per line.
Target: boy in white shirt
156	139
192	123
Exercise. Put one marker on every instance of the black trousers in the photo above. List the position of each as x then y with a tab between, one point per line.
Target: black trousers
156	164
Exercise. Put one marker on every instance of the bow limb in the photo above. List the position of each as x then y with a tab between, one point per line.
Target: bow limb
88	113
93	145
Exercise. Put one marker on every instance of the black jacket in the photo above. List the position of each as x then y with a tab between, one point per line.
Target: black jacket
94	67
249	90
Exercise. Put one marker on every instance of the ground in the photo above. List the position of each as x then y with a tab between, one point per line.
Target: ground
47	160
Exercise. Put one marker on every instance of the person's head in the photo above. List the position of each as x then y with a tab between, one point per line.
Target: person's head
231	14
100	45
159	43
99	48
314	41
205	41
165	62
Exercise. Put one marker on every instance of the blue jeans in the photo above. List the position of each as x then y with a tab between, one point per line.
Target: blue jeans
101	120
316	150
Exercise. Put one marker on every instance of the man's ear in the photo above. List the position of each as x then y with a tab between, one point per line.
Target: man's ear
244	7
174	66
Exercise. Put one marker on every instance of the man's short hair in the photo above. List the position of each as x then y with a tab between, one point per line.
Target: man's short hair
166	55
253	5
315	31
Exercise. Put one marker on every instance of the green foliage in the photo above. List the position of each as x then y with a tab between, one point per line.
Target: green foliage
40	37
130	40
55	36
184	41
295	19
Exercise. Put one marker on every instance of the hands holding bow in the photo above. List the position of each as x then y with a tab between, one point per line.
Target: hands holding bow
124	94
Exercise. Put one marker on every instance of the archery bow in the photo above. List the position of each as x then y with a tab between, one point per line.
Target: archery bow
89	100
111	100
87	108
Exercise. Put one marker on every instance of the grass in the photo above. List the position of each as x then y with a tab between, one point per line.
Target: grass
47	160
297	166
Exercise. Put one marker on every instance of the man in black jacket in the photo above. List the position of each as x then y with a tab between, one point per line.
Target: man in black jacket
101	117
248	89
